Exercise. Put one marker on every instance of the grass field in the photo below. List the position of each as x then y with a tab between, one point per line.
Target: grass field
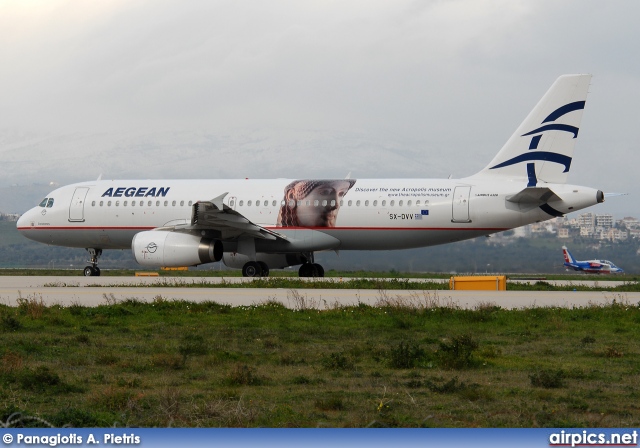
418	363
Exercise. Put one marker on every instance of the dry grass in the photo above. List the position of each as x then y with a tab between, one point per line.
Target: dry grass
412	362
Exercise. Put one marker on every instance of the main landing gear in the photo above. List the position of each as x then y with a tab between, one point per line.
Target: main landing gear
308	269
255	269
311	270
93	270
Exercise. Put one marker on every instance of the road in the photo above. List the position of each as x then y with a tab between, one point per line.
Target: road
94	291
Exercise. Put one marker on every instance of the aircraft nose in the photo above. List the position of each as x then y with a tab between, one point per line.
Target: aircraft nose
24	221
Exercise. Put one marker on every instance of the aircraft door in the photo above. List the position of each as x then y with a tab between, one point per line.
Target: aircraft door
76	208
233	202
460	209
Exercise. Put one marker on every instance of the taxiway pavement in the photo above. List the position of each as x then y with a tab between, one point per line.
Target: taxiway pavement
94	291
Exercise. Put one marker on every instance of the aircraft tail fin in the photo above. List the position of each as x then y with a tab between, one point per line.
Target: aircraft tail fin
568	258
541	149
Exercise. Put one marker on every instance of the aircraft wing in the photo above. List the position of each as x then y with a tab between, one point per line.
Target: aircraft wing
215	215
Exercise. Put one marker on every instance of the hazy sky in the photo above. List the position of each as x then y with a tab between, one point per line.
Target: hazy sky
452	79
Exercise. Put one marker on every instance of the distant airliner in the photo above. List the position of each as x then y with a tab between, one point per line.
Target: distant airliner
258	225
589	266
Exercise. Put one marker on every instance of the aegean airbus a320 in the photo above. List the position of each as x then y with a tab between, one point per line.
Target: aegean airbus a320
258	224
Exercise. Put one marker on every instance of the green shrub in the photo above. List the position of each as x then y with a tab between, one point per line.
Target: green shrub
10	323
243	375
405	355
458	353
192	345
547	378
337	361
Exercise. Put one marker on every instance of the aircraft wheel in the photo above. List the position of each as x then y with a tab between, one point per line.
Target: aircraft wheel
318	270
88	271
311	270
264	268
251	269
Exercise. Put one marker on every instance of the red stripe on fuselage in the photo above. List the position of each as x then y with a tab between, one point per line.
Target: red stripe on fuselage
491	229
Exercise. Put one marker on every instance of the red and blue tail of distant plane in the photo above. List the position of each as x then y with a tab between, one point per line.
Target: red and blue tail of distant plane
589	266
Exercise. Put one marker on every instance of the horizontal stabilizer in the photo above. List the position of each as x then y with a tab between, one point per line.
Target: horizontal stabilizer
534	195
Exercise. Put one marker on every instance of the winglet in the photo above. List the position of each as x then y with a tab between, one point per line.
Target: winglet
218	201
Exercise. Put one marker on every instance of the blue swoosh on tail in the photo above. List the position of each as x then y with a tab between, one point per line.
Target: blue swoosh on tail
538	155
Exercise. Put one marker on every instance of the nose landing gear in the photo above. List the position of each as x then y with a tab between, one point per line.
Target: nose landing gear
93	270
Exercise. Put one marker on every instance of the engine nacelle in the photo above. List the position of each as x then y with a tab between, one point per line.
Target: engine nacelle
274	261
162	248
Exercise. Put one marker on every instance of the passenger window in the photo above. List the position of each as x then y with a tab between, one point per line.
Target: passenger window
274	203
101	203
418	202
349	203
409	203
241	203
249	203
108	203
308	203
173	204
124	203
93	203
166	203
141	203
299	203
181	203
157	203
292	203
50	203
333	202
190	203
149	204
133	203
257	203
375	203
117	203
231	202
44	202
392	203
384	203
366	203
399	203
357	203
316	203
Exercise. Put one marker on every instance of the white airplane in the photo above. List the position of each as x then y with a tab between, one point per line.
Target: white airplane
259	225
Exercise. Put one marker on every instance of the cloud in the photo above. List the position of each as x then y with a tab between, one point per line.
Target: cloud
453	78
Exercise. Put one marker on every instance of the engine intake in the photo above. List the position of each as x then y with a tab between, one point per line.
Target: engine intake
161	248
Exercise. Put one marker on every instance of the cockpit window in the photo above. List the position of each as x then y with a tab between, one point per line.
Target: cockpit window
50	203
44	202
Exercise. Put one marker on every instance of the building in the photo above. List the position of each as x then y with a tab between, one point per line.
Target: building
605	221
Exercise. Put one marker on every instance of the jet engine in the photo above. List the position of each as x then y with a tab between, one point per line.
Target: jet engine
163	248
